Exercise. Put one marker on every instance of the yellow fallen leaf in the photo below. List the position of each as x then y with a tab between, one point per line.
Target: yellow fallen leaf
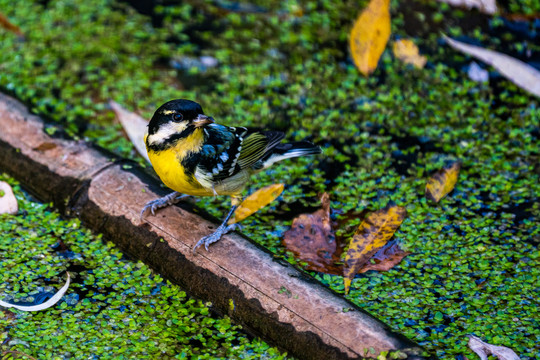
256	201
372	234
442	182
347	282
369	35
406	51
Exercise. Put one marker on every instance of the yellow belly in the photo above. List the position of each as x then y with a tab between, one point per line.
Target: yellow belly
167	166
166	163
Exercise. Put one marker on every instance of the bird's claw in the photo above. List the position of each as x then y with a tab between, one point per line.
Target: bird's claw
150	207
154	205
215	236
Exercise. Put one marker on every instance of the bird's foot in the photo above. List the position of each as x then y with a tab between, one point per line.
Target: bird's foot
215	236
165	201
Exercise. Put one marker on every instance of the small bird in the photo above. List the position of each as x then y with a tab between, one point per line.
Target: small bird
193	155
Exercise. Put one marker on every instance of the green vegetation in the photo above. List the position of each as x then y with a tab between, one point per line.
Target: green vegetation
114	308
285	66
525	7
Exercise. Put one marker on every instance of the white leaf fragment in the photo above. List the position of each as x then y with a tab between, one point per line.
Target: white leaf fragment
47	304
476	73
485	6
483	349
134	126
521	74
8	202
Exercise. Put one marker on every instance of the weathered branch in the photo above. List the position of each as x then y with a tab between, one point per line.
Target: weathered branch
238	277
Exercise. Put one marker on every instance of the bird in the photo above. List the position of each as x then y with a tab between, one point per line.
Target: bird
195	156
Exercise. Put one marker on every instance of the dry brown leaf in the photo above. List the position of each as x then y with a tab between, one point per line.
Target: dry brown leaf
521	74
483	349
256	201
369	35
442	182
311	238
372	234
8	202
386	258
45	146
134	126
6	24
484	6
407	51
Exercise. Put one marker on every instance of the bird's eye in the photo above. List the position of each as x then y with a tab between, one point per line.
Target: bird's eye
178	117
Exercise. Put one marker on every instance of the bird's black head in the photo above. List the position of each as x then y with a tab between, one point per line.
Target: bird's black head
174	120
179	110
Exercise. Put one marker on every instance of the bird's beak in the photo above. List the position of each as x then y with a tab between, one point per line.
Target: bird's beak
202	120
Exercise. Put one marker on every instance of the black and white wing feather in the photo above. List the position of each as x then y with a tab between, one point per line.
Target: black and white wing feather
227	151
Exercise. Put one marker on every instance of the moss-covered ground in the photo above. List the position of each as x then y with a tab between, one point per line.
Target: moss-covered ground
115	308
285	66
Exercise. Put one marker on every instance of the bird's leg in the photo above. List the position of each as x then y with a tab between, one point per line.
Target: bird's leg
162	202
220	231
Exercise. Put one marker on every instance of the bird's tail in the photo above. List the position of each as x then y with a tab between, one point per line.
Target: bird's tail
290	150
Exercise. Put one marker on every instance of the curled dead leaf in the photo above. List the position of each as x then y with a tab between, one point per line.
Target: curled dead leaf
372	234
369	35
134	126
256	201
442	182
521	74
483	350
407	51
312	239
8	201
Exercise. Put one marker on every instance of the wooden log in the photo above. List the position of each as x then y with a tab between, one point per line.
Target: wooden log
269	297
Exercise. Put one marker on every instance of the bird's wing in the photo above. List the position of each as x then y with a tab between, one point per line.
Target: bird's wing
218	158
226	154
256	145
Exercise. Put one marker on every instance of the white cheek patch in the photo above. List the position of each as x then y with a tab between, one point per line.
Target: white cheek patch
165	131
